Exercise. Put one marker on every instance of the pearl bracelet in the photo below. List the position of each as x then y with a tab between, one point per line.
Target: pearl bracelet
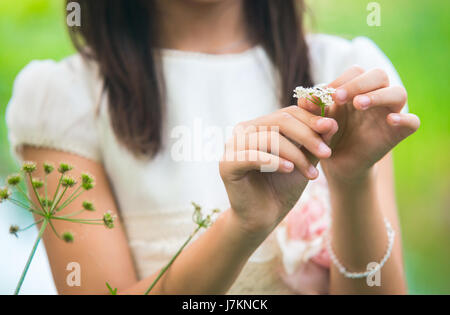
359	275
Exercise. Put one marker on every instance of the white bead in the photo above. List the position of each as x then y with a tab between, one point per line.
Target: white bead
358	275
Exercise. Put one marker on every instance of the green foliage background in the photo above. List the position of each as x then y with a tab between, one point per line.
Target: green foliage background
414	34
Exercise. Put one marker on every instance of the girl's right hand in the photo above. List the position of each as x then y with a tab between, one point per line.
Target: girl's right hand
268	162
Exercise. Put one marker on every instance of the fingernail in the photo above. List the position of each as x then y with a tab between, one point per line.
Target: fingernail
288	165
363	101
324	149
341	95
395	119
312	172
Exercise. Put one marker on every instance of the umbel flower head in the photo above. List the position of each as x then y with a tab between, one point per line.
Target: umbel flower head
200	219
67	237
14	180
88	206
50	203
318	95
48	168
322	93
68	181
13	229
64	168
5	193
37	183
29	167
108	219
87	181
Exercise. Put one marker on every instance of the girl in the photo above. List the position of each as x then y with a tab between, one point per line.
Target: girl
147	75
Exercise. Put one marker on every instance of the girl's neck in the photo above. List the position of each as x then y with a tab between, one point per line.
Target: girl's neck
214	27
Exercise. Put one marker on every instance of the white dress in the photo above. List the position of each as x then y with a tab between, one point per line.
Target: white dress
59	105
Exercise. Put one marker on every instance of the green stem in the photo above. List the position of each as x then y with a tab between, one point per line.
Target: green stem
318	103
31	225
161	273
45	190
70	199
83	221
72	214
54	230
26	207
26	197
59	199
35	192
56	191
30	258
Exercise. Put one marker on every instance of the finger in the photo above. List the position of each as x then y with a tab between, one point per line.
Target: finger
243	162
327	127
406	124
393	98
296	131
308	105
372	80
277	144
347	76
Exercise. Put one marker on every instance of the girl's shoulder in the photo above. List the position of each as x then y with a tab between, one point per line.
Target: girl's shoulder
53	105
331	55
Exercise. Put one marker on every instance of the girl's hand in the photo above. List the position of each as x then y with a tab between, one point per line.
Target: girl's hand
367	110
268	163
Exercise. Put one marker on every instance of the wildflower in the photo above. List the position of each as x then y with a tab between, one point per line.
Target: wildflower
64	168
67	237
87	186
14	180
197	216
108	219
324	94
29	167
318	95
68	181
5	193
200	219
13	229
37	183
86	178
88	206
48	168
87	181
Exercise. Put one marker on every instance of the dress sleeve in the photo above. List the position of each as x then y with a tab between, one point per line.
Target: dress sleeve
332	55
370	56
53	107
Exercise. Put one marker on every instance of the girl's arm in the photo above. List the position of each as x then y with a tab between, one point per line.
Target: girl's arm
264	174
209	265
359	233
371	123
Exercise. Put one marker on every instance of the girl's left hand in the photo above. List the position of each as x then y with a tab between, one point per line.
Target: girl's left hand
367	110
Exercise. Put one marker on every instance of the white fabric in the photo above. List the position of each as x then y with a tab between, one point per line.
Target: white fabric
55	105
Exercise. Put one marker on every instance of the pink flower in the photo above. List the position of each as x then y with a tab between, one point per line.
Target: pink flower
301	239
306	223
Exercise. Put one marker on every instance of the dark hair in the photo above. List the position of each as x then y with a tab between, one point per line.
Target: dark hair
121	36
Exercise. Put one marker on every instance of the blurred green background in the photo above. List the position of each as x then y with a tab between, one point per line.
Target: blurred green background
414	34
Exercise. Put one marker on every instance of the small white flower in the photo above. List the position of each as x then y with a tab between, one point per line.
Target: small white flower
324	94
